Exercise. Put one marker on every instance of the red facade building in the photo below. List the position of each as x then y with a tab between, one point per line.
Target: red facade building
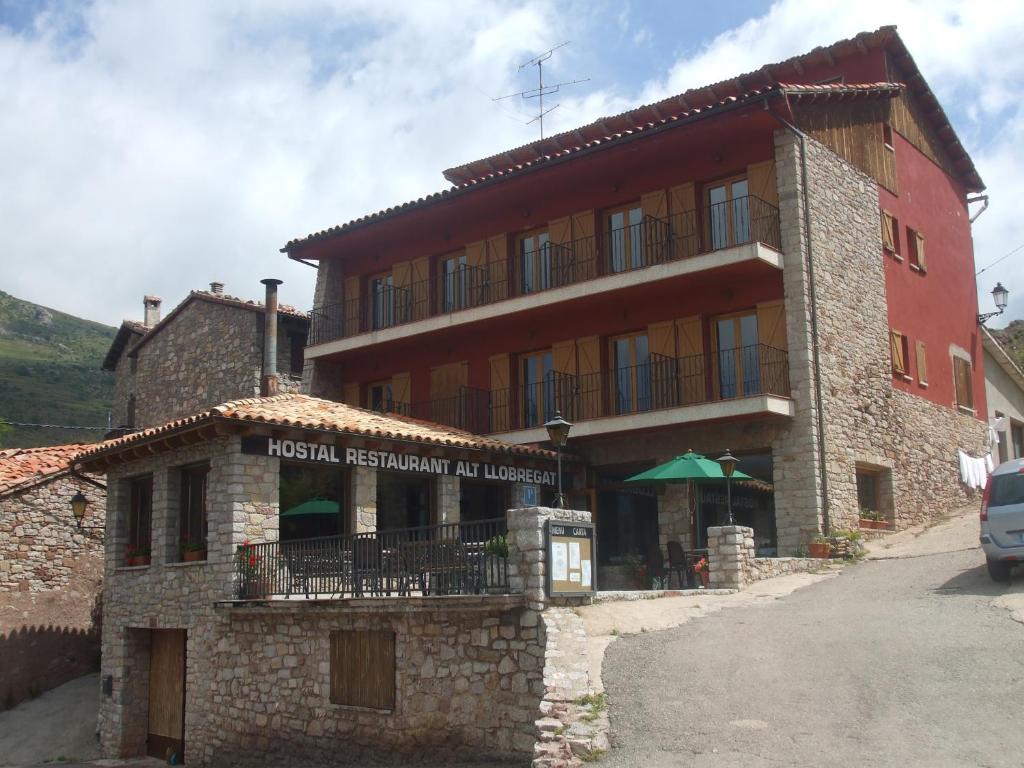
779	264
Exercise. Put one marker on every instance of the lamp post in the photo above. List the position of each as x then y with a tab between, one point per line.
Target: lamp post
728	464
558	432
1000	296
78	505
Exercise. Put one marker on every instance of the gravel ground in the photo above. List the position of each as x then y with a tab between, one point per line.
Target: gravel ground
911	661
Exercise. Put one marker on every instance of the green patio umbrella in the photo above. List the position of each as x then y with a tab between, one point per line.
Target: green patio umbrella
689	466
316	506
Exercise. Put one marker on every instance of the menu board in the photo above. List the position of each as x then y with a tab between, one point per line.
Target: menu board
571	558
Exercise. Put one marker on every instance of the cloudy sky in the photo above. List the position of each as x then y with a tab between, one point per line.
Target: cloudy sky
152	147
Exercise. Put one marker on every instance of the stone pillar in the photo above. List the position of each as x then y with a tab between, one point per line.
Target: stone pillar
730	550
447	499
364	500
674	516
527	571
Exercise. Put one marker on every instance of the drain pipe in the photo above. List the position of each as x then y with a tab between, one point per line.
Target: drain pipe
826	524
983	199
268	382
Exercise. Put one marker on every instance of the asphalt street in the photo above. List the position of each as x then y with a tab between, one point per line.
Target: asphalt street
893	662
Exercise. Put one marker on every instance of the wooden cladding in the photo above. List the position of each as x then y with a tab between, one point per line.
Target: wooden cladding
856	133
166	693
363	668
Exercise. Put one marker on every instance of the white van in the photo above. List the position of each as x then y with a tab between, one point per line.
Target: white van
1002	519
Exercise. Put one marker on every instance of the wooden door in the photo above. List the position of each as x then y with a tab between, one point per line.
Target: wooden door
166	694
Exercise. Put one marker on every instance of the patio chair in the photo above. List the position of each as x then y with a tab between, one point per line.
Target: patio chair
656	567
677	564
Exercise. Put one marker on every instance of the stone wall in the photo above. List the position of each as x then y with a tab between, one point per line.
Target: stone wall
50	579
732	564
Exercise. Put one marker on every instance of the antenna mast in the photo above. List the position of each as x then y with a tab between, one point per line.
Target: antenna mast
541	90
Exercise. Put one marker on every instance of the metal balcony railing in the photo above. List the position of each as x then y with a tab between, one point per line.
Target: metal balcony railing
651	241
451	559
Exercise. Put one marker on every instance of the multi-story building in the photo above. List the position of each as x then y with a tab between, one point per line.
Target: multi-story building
208	350
1004	392
779	264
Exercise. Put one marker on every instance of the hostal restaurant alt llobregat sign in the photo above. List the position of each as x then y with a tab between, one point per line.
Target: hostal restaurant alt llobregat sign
328	453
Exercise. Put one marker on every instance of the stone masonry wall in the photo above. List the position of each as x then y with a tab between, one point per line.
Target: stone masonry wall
867	420
50	579
732	564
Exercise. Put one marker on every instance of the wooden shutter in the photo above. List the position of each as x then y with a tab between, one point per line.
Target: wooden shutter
363	668
497	267
401	275
922	363
563	357
683	204
920	252
420	287
888	236
352	308
475	282
692	360
476	253
761	180
448	380
560	231
655	204
166	691
661	339
588	352
350	394
964	385
899	364
771	325
584	244
401	391
501	393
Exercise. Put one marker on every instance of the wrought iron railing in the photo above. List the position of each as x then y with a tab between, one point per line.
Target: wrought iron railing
450	559
650	242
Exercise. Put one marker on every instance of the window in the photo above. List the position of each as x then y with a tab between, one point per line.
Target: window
480	500
963	381
140	516
625	238
296	341
922	364
192	508
887	136
535	272
891	234
130	416
1017	433
737	355
453	277
1004	448
381	395
915	250
363	668
311	501
900	353
403	501
728	214
538	387
631	359
382	301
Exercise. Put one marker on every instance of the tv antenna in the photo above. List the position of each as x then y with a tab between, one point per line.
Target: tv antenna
541	90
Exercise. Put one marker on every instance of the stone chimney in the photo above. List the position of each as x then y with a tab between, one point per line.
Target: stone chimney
268	382
151	310
217	288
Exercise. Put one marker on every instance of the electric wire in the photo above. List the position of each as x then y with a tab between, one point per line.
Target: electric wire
1001	258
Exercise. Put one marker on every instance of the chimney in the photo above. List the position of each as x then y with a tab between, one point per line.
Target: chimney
151	311
217	288
268	383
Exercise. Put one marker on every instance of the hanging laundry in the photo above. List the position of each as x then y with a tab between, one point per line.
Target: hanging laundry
974	471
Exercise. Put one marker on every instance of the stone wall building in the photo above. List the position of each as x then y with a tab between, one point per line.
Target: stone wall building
207	350
1004	393
51	571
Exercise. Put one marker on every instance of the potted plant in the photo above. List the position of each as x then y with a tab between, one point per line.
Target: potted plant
193	550
136	554
637	568
252	582
873	520
700	570
820	547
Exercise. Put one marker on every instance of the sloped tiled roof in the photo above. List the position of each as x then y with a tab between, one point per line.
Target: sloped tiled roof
128	329
305	412
24	467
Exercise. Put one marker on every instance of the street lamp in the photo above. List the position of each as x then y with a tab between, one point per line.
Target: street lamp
78	505
1000	296
728	464
558	432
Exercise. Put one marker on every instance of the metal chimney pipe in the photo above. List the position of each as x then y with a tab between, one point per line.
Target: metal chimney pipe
268	382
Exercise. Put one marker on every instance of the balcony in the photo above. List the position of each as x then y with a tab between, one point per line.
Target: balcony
731	383
651	249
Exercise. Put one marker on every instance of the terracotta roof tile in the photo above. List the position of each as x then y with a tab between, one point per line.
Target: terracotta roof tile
23	467
303	411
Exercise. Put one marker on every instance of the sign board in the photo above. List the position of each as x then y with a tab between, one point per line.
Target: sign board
329	453
572	558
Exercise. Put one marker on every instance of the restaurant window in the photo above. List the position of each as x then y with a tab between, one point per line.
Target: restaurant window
140	516
537	384
728	214
382	300
363	668
737	355
381	396
535	267
631	359
963	381
311	500
480	500
453	279
403	500
625	238
192	510
899	347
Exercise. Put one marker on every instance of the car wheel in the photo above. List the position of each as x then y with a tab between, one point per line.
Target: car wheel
999	570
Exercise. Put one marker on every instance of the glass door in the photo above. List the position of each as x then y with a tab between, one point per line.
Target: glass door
382	295
728	214
737	356
534	262
538	385
453	283
625	239
632	378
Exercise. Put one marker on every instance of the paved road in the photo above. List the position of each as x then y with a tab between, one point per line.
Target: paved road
899	662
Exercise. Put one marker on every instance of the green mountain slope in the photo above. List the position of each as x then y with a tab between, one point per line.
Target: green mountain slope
1011	338
50	373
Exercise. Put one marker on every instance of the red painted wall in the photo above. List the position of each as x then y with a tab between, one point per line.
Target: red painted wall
938	307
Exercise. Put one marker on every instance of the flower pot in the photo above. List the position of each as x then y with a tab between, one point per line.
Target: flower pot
254	589
136	560
705	578
193	555
820	549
